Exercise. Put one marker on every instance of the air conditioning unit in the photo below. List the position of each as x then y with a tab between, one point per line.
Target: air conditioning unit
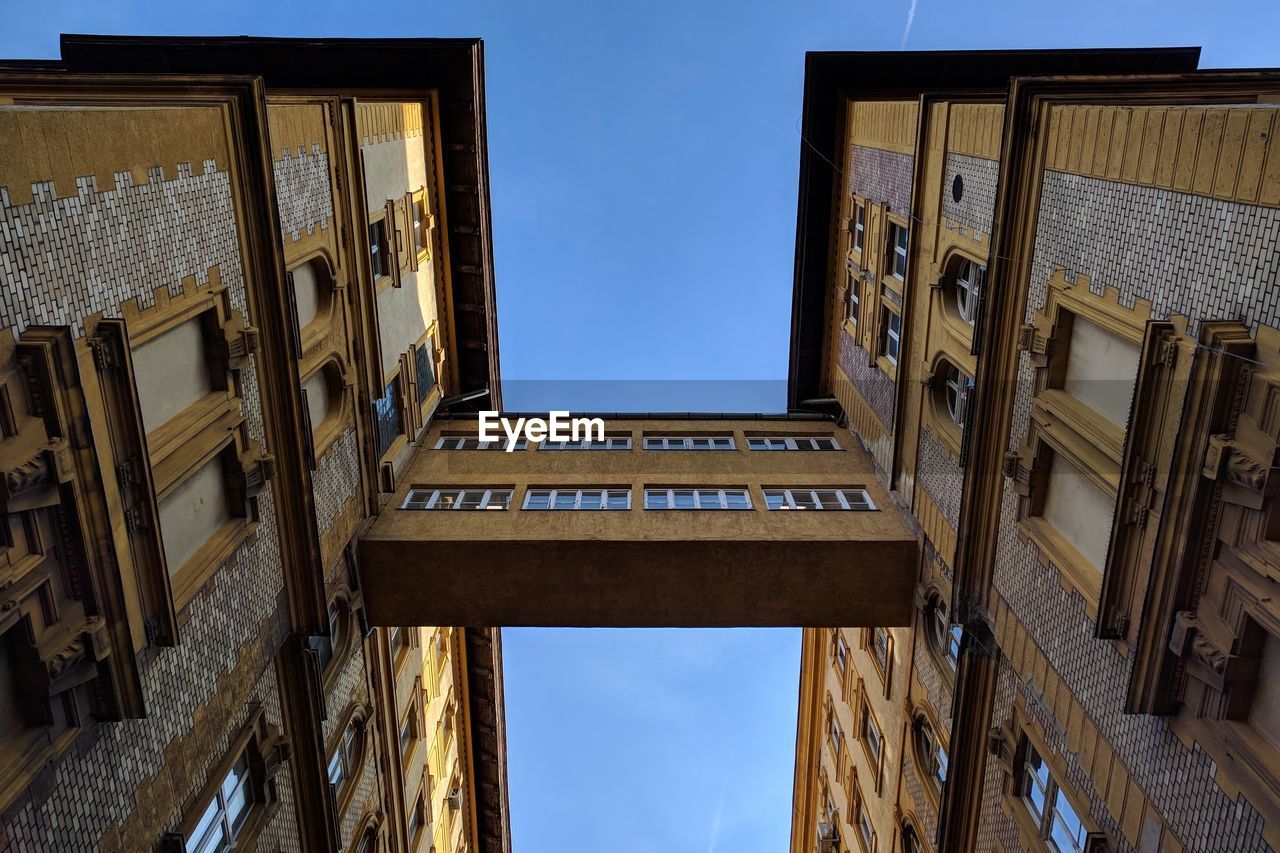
828	838
455	798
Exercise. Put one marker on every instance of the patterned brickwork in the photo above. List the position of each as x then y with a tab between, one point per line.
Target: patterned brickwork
977	204
937	686
875	387
303	197
61	260
940	476
1201	257
993	824
884	177
336	479
64	259
915	785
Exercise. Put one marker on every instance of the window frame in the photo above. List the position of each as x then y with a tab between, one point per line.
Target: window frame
553	494
431	502
1040	821
897	249
775	441
676	441
890	337
858	241
845	497
611	442
451	441
723	493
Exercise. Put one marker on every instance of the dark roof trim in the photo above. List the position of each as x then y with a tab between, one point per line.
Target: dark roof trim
658	416
454	68
830	77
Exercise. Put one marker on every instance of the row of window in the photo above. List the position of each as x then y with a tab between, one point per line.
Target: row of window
651	442
484	498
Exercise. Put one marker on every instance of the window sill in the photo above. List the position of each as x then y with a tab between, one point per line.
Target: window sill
200	568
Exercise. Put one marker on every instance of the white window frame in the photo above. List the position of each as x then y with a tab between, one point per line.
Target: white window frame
840	654
900	237
429	499
957	391
704	498
791	442
871	734
554	499
846	498
611	442
853	301
471	442
689	442
218	813
1051	794
880	648
859	226
969	280
891	337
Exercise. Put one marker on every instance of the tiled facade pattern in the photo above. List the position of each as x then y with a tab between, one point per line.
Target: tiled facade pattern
926	812
303	196
336	479
1201	257
876	388
65	259
977	204
884	177
937	685
940	476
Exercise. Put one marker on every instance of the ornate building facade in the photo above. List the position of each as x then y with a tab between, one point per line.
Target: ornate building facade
237	286
1042	288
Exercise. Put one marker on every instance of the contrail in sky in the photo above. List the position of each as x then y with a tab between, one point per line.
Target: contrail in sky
911	19
715	823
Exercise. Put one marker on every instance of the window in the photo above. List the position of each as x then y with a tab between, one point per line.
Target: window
944	638
1056	820
473	497
910	840
471	442
840	654
399	642
880	648
1076	508
870	736
696	498
424	370
344	764
610	442
862	820
799	442
853	300
415	821
379	250
584	499
930	755
951	390
226	813
890	334
834	734
897	250
407	733
1101	368
387	423
848	499
421	222
689	442
968	279
859	226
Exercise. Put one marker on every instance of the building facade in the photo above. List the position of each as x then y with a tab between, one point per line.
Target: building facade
235	292
1046	306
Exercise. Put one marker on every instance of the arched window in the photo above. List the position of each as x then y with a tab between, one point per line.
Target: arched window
930	755
910	841
967	279
944	638
952	388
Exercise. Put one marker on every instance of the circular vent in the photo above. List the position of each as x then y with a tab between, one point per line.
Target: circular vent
957	188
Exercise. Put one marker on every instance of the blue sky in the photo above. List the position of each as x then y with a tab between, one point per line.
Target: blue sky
643	159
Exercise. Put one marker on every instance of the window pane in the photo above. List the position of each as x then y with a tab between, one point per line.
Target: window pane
591	500
684	499
656	499
803	499
737	499
538	499
565	500
619	499
774	499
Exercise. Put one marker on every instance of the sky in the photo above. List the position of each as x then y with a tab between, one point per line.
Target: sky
643	167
